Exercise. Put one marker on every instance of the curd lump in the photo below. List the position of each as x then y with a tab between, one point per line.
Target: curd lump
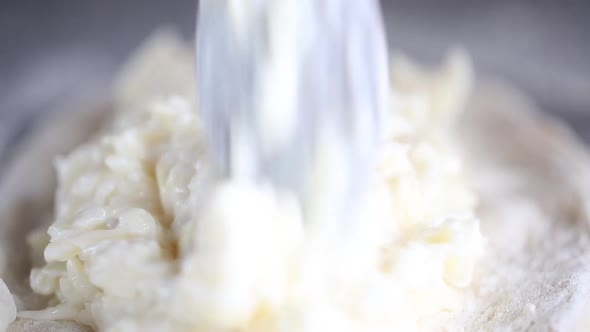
146	238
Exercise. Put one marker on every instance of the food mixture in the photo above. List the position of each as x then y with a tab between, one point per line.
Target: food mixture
7	307
146	237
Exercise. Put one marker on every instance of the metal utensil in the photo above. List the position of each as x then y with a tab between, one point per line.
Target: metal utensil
291	91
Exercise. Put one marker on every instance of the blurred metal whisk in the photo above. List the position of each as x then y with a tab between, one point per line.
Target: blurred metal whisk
291	91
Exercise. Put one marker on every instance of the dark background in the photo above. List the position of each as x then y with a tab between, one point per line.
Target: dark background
52	50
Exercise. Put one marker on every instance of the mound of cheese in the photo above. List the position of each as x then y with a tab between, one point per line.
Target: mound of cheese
146	238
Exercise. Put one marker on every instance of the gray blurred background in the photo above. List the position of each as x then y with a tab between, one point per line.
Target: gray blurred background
55	50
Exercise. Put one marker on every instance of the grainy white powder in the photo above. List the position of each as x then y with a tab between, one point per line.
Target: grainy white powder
533	177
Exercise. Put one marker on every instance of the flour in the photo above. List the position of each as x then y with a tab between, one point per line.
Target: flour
533	177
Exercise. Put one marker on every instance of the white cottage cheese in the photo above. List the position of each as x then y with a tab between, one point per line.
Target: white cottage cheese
7	307
146	238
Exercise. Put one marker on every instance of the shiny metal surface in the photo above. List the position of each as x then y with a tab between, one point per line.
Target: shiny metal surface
268	109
